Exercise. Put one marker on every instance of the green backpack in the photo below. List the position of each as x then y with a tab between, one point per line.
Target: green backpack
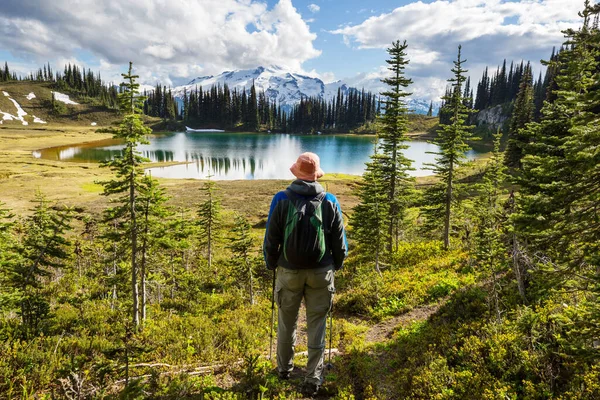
304	243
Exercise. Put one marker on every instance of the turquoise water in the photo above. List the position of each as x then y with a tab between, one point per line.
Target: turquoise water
227	156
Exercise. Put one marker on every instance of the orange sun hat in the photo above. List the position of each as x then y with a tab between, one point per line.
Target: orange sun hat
307	167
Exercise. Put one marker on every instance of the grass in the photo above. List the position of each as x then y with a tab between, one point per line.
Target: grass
21	175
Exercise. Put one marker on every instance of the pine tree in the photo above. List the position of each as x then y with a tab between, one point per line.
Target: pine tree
209	219
523	113
452	142
491	218
430	112
42	248
153	212
559	179
370	215
241	244
253	119
129	174
393	165
8	255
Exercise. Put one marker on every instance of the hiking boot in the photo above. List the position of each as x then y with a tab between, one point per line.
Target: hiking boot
309	389
284	375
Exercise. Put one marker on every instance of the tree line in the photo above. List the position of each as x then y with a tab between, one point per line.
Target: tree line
77	81
252	110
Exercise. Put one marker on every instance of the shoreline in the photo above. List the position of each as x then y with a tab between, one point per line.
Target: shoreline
77	183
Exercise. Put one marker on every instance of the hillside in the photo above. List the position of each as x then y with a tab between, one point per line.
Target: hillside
35	99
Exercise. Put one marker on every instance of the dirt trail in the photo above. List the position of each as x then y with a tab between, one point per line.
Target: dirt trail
384	330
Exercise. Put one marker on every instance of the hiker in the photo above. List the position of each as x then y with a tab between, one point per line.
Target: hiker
306	243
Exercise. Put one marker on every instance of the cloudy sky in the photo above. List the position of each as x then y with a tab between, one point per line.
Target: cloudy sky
172	41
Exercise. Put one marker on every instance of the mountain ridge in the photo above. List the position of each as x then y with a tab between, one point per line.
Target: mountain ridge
285	87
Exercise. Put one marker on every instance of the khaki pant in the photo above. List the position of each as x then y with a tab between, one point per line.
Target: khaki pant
317	288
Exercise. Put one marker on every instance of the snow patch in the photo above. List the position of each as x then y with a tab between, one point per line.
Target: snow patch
7	116
20	113
64	98
37	120
188	129
93	124
30	96
5	94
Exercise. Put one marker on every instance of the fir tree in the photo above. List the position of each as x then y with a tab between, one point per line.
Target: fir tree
241	245
559	180
209	219
392	163
523	113
430	112
370	216
452	142
153	212
42	248
128	182
491	218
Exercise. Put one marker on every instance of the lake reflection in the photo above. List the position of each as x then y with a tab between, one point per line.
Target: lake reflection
244	155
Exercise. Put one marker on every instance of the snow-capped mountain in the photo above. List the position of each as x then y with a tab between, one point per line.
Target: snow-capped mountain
284	87
281	85
421	106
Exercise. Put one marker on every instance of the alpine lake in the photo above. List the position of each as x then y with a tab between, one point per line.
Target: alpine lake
235	156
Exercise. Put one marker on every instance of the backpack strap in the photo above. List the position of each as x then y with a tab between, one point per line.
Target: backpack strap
315	201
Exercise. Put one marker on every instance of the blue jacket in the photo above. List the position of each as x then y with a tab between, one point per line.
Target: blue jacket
336	243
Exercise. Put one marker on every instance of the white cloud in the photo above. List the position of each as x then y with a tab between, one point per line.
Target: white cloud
163	39
314	8
489	30
464	20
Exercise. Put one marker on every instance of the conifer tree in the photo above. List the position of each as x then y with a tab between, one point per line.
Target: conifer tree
151	203
560	170
392	164
491	218
523	114
241	244
129	174
430	112
370	216
8	254
253	119
452	142
209	219
42	248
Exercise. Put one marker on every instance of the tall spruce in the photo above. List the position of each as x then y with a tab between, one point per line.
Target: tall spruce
41	250
491	219
452	143
129	174
241	244
370	216
209	219
393	165
523	113
387	187
560	170
151	201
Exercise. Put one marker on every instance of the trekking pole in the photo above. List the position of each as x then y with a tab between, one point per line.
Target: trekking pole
330	364
272	314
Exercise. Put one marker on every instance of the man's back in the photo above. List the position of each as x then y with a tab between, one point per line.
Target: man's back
305	243
333	225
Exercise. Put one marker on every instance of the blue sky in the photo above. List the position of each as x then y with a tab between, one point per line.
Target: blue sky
174	41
